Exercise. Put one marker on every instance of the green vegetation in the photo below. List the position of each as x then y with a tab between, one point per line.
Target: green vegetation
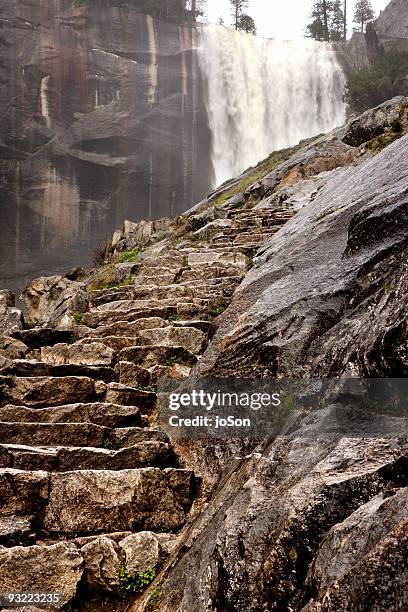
107	444
155	597
77	316
259	172
106	279
241	186
328	21
363	13
129	256
149	389
135	583
382	81
171	361
215	312
174	317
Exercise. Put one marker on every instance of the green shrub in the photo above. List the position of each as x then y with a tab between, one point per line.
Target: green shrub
129	256
215	312
104	279
135	583
378	83
77	316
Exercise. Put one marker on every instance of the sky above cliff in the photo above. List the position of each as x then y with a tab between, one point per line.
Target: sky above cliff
284	19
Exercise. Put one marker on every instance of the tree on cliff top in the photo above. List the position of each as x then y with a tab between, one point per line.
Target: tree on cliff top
196	8
241	20
363	13
329	21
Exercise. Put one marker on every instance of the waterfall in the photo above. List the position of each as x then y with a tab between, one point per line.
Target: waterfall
264	95
45	111
153	66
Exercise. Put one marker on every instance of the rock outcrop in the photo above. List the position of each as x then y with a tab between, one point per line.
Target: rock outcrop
388	31
393	20
297	268
98	123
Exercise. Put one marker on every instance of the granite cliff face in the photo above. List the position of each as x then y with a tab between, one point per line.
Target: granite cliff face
393	20
98	123
389	30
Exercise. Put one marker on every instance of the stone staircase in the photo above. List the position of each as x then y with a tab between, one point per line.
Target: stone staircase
92	493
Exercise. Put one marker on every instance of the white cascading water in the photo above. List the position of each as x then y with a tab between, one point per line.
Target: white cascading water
264	95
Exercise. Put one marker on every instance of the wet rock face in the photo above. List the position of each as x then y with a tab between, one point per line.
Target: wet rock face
328	292
97	124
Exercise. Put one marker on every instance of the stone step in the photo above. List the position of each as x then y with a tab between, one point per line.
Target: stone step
222	287
32	368
248	238
42	392
174	372
216	259
126	306
123	395
150	356
131	436
91	562
188	337
115	343
37	337
125	328
132	375
57	434
102	296
95	501
104	414
204	326
155	277
202	274
93	354
96	318
155	292
71	458
170	261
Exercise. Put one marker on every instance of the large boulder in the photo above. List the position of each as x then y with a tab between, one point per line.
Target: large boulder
54	301
102	564
375	122
110	501
42	569
140	552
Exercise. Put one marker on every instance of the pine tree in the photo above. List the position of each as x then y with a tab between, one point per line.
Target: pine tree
345	21
319	27
238	7
329	21
247	24
336	31
363	13
196	8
